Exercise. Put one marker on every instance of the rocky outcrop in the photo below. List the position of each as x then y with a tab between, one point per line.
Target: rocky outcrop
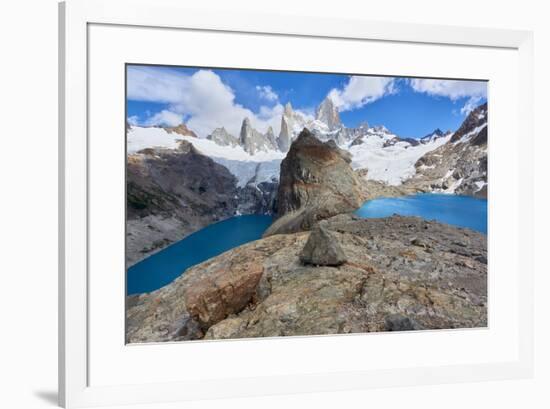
358	141
316	182
396	139
460	165
222	137
400	273
328	113
181	129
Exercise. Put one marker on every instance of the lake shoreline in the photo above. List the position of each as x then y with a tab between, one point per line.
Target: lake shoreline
183	268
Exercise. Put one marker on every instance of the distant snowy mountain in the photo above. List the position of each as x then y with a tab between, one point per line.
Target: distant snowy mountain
260	167
438	133
387	157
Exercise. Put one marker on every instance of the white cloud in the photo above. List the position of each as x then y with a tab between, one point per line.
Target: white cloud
203	98
155	84
453	89
133	120
267	93
361	90
470	105
164	118
271	116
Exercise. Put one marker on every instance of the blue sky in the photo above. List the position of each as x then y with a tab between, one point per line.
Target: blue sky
209	98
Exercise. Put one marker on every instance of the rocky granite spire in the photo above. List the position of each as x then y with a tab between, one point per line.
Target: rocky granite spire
251	140
270	136
328	114
288	110
285	136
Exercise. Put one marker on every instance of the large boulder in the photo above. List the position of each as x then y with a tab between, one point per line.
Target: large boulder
221	289
316	182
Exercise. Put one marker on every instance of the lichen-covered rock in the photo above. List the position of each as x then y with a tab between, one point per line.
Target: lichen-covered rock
222	289
400	273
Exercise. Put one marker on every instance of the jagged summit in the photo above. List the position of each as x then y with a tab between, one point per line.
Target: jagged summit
285	136
181	129
270	135
475	119
288	109
254	141
381	128
432	136
437	132
328	114
222	137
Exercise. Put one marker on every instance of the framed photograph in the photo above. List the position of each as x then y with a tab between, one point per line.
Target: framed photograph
255	205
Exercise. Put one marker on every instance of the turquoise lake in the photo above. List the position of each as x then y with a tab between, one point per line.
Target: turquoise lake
163	267
462	211
168	264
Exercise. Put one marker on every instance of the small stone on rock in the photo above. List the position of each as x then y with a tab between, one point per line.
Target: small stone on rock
322	249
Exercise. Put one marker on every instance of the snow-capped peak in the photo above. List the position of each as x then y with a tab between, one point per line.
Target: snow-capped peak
328	113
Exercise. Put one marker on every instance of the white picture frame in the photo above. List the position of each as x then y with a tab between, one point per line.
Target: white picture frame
75	19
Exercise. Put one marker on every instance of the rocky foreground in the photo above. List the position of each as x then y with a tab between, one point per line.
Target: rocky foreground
358	275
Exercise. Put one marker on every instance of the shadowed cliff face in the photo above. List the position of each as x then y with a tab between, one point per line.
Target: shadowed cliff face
316	182
171	193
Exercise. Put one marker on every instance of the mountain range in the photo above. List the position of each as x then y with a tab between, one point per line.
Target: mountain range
179	182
